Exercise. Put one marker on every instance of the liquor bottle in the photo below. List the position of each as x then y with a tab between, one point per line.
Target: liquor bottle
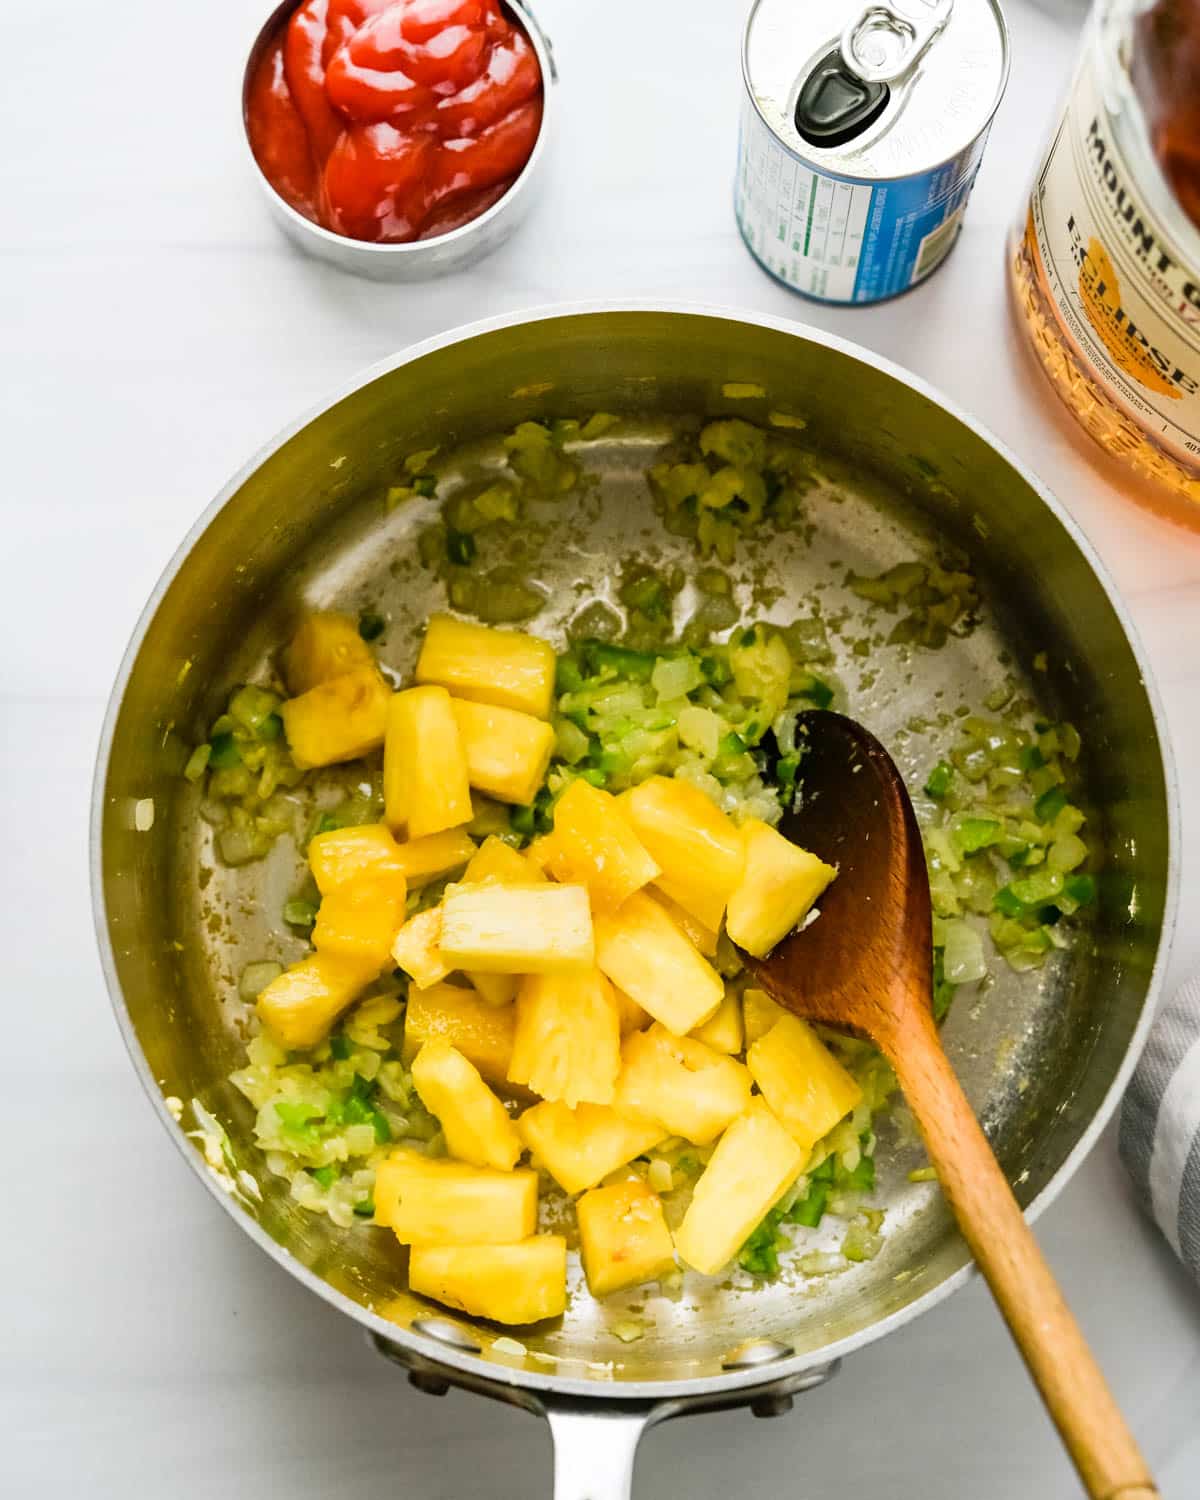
1105	266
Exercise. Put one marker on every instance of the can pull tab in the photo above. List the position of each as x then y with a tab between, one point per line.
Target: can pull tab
835	105
847	89
888	36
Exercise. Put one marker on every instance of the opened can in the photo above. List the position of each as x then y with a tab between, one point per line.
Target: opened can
862	130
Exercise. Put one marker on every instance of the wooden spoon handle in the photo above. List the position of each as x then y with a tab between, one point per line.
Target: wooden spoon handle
1052	1343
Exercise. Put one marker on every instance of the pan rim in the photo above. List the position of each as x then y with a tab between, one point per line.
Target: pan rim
431	1350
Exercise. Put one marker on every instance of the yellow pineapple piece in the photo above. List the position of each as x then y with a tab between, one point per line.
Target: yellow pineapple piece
476	1125
805	1085
759	1014
415	949
361	918
633	1017
777	890
723	1030
593	844
425	786
697	847
704	938
507	752
337	720
498	863
488	666
645	954
540	851
688	1088
326	645
496	989
301	1004
516	1284
344	854
434	855
517	929
754	1164
580	1146
428	1200
705	906
445	1012
623	1237
567	1043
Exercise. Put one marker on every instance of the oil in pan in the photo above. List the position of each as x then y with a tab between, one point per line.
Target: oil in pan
862	130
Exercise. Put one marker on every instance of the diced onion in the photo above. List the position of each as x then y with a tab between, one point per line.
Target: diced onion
964	959
256	977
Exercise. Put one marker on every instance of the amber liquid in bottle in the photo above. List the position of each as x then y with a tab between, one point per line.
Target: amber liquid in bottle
1163	52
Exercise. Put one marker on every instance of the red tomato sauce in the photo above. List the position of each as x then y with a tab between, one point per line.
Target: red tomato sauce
394	120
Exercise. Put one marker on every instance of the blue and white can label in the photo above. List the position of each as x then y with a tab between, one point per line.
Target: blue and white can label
863	125
838	239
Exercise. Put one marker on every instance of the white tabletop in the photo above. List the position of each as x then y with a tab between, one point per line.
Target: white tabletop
157	331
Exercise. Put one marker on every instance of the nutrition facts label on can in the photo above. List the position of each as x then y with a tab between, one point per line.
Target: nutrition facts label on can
805	227
844	241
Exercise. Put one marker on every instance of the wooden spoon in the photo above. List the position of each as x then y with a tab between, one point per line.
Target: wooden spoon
864	966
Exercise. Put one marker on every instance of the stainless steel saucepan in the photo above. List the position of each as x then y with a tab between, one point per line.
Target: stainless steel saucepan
1043	1056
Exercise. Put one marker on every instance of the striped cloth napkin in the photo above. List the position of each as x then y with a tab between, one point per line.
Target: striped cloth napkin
1160	1124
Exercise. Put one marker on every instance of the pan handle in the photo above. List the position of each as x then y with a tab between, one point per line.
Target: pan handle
595	1447
596	1440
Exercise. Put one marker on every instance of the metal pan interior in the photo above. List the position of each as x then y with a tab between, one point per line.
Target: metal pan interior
1041	1055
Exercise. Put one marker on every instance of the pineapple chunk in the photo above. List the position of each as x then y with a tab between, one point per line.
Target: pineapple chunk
723	1031
802	1081
633	1017
754	1164
517	929
567	1043
688	1088
777	890
489	666
507	752
697	848
325	646
425	784
416	951
498	863
337	720
593	844
361	918
481	1033
476	1125
623	1237
433	1201
497	989
759	1014
522	1283
702	904
704	938
540	851
579	1147
344	854
301	1005
434	855
644	953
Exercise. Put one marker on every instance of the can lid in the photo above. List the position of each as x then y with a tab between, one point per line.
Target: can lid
876	90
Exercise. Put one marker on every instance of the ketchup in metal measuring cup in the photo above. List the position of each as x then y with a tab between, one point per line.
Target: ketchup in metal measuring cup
394	120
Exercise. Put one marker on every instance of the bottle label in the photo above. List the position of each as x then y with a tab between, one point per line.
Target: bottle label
1123	292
